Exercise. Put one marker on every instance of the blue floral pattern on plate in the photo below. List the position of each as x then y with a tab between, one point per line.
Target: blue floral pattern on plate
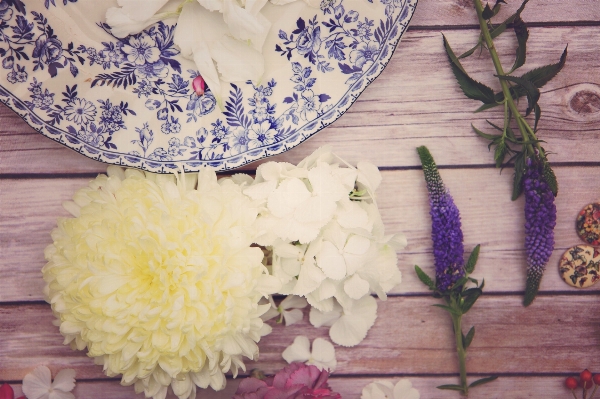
130	101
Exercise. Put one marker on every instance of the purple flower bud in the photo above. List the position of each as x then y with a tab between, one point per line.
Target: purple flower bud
540	219
446	232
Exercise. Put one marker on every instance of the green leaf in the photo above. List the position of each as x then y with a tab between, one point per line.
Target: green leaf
550	178
471	51
470	266
482	284
502	27
470	297
472	88
542	75
469	338
483	381
425	279
460	282
522	35
500	152
487	12
485	135
518	177
448	309
451	387
538	114
533	93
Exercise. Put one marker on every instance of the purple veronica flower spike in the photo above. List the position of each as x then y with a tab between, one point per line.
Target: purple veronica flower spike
446	232
540	219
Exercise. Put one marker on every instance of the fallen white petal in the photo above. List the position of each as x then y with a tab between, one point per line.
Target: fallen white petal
299	351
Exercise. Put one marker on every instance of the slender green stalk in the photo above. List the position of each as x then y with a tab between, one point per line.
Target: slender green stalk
460	351
526	131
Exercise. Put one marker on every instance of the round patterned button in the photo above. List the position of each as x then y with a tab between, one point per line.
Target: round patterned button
580	266
588	224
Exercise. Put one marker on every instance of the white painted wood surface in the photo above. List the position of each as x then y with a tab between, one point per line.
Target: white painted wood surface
414	102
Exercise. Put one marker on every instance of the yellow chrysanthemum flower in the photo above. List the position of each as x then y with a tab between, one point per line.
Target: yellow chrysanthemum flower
156	276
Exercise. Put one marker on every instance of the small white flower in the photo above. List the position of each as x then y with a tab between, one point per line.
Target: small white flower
38	384
288	310
349	325
322	355
386	390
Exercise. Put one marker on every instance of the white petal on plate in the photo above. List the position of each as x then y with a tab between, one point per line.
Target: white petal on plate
292	316
212	5
323	352
141	10
37	383
64	380
245	25
331	261
405	390
313	3
281	2
254	6
293	302
354	324
299	351
356	287
122	25
319	319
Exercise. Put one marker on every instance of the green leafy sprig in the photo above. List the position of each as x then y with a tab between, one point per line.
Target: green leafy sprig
522	143
459	300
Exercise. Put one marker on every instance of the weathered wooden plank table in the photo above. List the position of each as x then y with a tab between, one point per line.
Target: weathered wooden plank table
414	102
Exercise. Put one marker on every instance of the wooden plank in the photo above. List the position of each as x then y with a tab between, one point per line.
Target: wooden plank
415	101
31	206
461	12
409	336
351	388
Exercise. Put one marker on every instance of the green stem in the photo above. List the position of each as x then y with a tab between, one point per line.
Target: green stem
527	134
460	351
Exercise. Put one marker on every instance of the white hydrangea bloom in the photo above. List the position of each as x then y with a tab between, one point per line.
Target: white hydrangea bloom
322	354
386	390
327	238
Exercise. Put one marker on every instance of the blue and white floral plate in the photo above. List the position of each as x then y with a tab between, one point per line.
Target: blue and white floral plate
72	81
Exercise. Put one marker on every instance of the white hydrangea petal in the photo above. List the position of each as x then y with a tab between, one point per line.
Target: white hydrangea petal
357	245
293	302
331	261
287	197
397	241
309	279
318	209
244	25
37	383
324	184
368	175
323	354
319	319
254	6
261	191
324	305
404	390
292	316
58	394
354	324
298	351
351	215
356	287
379	390
64	380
